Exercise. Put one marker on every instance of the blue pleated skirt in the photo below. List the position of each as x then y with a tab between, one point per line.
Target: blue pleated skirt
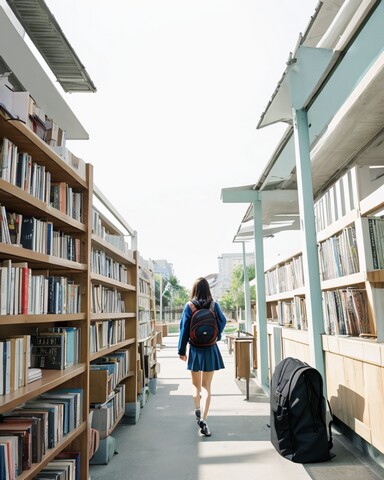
205	359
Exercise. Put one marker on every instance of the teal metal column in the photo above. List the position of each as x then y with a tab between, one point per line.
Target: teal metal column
310	254
247	296
261	310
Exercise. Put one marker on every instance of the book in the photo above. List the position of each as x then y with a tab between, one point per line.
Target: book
28	231
78	395
10	442
23	430
4	468
30	411
37	431
53	418
74	456
49	350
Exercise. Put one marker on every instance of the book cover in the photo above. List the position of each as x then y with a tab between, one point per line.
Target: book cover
27	232
48	350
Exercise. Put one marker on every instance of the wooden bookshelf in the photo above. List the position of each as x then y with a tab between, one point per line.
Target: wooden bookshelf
354	332
147	343
15	199
116	274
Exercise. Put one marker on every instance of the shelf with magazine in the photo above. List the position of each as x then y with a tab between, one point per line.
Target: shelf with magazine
285	294
43	298
113	318
351	255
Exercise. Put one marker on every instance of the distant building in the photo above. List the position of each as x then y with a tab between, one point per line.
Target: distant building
227	262
164	268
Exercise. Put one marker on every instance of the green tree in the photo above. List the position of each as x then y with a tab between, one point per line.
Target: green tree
236	293
174	294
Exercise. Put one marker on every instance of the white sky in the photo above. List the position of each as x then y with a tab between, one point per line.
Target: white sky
180	86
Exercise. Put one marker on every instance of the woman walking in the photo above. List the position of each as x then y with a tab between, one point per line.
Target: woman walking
202	360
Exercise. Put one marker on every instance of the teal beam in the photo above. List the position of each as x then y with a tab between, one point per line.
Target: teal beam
244	194
309	241
247	296
261	309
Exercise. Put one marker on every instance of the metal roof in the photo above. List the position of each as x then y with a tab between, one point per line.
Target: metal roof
351	137
44	31
33	78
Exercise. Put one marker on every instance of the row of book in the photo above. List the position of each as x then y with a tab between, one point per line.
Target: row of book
19	170
338	255
15	360
118	241
65	466
144	315
105	415
285	278
104	333
144	303
66	199
116	364
38	235
346	312
23	354
376	235
144	287
56	349
106	300
144	330
38	425
22	293
289	313
102	264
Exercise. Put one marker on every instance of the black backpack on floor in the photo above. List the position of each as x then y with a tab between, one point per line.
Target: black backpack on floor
298	413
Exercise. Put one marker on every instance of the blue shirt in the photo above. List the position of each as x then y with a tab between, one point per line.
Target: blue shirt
185	322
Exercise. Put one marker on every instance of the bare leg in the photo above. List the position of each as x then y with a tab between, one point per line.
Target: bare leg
206	384
196	388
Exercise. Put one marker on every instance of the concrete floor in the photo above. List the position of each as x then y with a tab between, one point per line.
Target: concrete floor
165	444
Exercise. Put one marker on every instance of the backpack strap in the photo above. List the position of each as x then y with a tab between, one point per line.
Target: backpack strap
193	306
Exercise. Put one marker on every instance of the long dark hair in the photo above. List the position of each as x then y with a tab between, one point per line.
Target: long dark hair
201	290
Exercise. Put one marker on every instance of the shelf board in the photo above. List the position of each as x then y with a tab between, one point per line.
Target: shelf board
337	226
41	259
373	202
346	281
109	282
50	379
46	318
111	316
111	349
114	252
16	199
375	276
286	295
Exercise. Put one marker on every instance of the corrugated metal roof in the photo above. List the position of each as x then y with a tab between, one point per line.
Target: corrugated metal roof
44	31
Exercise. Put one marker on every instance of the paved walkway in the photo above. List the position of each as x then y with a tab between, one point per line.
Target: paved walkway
166	444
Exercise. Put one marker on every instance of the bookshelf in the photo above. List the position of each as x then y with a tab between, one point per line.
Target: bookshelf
113	318
349	220
33	302
147	337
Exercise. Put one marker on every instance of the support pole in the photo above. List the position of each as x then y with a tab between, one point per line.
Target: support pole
261	313
247	296
309	241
